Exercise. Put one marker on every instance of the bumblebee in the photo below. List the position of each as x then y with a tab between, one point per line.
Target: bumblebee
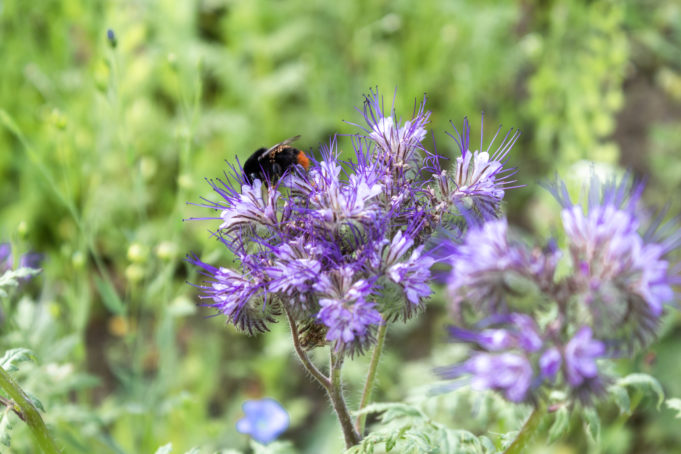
268	165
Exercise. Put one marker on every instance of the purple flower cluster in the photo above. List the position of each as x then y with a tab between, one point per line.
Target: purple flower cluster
533	328
342	247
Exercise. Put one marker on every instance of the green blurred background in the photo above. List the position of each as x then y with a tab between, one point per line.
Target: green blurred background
101	147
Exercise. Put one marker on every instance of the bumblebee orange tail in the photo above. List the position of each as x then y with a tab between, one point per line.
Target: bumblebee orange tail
303	160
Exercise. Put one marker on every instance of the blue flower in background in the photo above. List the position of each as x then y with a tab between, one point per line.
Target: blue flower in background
265	420
28	260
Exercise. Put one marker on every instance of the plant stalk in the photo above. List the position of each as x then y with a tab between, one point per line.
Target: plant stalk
302	355
27	412
528	431
371	376
352	437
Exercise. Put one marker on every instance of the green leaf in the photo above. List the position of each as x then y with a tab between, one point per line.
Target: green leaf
109	296
165	449
621	398
6	425
675	404
15	356
644	383
277	447
592	424
560	426
10	278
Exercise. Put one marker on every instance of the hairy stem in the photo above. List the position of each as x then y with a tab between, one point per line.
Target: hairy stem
309	366
528	431
371	376
27	411
352	437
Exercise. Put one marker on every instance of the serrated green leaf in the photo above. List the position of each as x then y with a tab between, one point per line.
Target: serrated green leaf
592	424
674	404
644	383
621	398
15	356
390	443
560	426
6	426
165	449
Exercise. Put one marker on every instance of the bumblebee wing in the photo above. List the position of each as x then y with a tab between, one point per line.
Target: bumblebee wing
278	146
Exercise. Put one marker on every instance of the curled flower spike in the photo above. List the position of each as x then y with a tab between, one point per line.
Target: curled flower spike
624	277
558	327
479	178
265	420
398	142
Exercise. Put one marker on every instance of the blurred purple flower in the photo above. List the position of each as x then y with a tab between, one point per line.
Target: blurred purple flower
549	363
508	373
31	260
264	420
480	265
581	353
622	271
5	257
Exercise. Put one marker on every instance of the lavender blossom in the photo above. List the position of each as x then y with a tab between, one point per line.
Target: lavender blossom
509	373
397	143
621	278
581	353
550	362
480	266
479	179
624	278
345	245
345	310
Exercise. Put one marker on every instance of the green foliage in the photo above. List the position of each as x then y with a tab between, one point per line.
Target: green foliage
101	147
405	428
11	279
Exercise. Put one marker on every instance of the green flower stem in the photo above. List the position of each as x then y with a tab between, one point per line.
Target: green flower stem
309	366
528	431
332	385
352	437
24	407
371	376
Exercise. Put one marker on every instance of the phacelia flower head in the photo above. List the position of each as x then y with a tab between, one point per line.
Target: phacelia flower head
550	330
623	277
339	244
265	420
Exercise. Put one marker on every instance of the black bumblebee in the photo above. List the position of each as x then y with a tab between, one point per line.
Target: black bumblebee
268	165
